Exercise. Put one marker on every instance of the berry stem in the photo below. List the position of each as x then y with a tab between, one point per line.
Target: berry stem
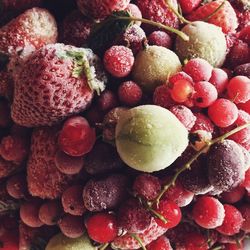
214	12
181	18
161	217
159	25
138	239
104	246
187	166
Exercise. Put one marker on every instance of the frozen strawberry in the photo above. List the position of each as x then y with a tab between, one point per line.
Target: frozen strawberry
55	82
34	27
76	29
43	177
128	242
158	11
100	9
225	17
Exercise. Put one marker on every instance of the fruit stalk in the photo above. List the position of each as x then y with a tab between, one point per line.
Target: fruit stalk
137	238
214	12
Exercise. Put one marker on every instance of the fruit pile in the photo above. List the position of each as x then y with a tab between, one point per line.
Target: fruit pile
124	124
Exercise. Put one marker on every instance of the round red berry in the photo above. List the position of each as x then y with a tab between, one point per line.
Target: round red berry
160	38
195	241
162	243
119	60
219	79
245	211
107	101
208	212
129	93
102	227
162	97
234	195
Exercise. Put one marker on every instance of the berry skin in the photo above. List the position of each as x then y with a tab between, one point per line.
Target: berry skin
232	222
67	164
76	137
180	76
195	241
202	123
72	226
118	61
245	212
233	246
205	94
107	101
29	213
225	18
238	89
129	93
50	212
188	6
160	38
17	186
245	106
223	112
102	227
208	212
185	115
199	69
162	97
219	79
162	243
181	91
234	195
72	201
99	9
135	12
170	211
133	217
147	186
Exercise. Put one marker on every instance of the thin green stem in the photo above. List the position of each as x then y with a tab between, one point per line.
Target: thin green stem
158	215
158	25
214	12
104	246
138	239
187	166
216	248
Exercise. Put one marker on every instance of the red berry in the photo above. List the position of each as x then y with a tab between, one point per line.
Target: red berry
244	34
102	227
245	106
162	97
179	195
202	123
233	246
76	137
147	186
185	116
170	211
205	94
180	76
160	38
246	182
223	113
107	101
68	164
17	186
162	243
232	222
181	91
135	12
208	212
199	69
234	195
188	6
239	89
195	241
245	211
118	61
219	79
129	93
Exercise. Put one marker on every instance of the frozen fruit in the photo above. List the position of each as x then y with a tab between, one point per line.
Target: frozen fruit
153	66
206	41
243	70
55	82
219	79
160	38
162	96
107	101
145	138
17	186
162	243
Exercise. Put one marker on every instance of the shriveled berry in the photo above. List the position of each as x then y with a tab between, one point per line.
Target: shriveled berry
219	79
76	137
160	38
205	94
170	211
199	69
162	97
72	226
72	200
147	186
238	89
130	93
102	227
232	222
133	217
223	112
118	61
185	115
208	212
162	243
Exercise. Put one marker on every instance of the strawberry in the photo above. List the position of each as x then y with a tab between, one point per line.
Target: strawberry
188	6
225	17
128	242
43	178
55	82
99	9
34	27
158	11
